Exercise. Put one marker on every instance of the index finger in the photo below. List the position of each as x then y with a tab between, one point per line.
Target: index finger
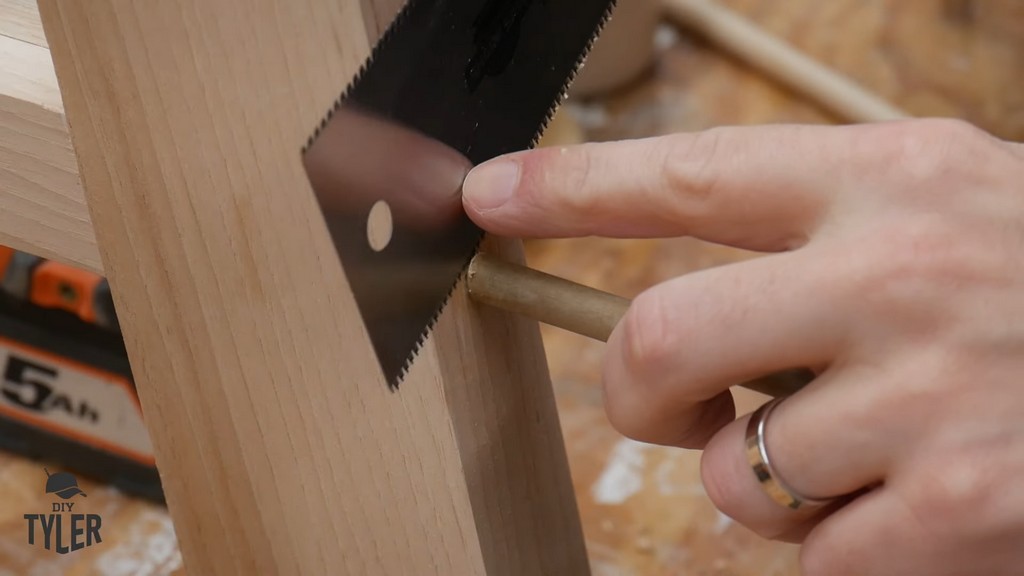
762	188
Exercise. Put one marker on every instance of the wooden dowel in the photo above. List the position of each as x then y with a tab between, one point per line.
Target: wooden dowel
777	59
549	299
577	308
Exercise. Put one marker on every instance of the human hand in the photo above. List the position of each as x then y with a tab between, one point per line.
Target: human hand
896	271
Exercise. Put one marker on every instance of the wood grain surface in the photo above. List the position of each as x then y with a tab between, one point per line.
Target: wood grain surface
643	510
20	21
281	448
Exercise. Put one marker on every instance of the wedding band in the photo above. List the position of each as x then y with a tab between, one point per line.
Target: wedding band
767	477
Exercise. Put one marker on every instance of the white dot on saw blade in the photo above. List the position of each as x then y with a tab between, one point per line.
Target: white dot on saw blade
379	226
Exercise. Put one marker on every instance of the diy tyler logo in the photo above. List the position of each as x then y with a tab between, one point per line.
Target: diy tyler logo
62	530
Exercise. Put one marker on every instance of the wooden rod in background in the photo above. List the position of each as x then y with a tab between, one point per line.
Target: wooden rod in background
781	61
578	308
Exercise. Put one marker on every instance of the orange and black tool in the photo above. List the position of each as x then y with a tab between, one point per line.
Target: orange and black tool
67	394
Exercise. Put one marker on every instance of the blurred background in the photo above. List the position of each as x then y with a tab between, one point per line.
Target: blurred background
653	72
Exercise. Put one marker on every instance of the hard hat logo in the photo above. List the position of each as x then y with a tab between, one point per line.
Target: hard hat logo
63	484
63	530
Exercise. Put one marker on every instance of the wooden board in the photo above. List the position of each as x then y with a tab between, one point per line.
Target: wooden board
280	447
20	21
43	207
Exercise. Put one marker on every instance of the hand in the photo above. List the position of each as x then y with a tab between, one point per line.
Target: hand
896	271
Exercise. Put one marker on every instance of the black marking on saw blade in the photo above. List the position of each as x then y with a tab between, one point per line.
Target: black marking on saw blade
477	78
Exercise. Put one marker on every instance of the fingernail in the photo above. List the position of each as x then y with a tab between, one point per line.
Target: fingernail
491	184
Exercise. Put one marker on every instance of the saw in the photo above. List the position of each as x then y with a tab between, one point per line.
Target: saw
451	84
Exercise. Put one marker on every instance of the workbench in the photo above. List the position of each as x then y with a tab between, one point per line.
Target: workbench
642	507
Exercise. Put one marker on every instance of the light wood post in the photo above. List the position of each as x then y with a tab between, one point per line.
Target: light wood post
281	449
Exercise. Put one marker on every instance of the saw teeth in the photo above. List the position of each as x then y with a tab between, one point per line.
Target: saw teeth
572	75
385	38
563	94
335	106
422	340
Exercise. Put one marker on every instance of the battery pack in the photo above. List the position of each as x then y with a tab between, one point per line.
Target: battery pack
67	394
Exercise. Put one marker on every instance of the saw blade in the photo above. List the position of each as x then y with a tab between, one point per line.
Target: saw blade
450	84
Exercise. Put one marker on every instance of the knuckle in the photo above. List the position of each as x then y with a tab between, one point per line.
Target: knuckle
637	388
923	153
690	170
947	492
647	341
947	130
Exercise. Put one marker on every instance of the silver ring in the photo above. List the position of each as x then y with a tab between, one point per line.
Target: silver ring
761	464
